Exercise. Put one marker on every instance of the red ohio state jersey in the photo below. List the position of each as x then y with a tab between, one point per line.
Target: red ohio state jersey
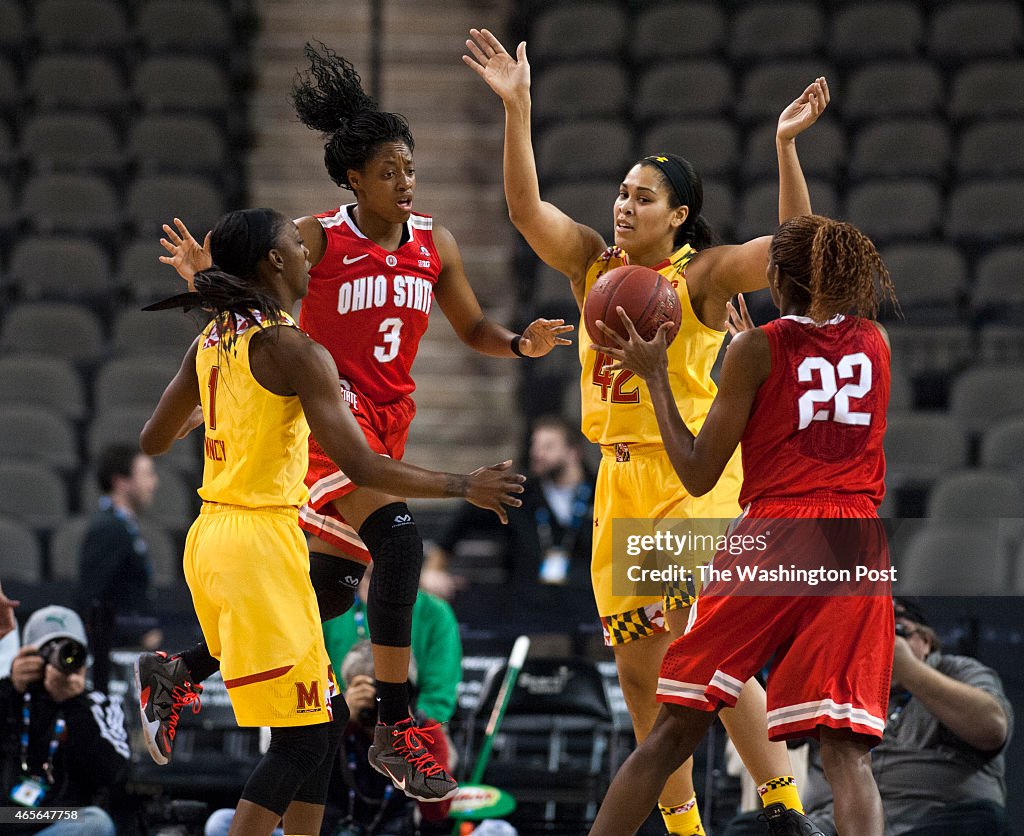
369	307
818	421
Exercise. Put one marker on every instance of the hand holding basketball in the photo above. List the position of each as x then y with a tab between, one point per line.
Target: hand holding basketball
647	358
644	294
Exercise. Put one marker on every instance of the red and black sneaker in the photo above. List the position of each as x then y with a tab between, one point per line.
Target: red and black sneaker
399	753
163	686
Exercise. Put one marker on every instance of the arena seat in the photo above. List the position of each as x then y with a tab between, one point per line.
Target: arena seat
930	280
767	88
59	267
991	149
33	494
39	434
181	83
53	329
21	559
985	396
893	89
152	201
580	89
985	212
683	90
866	31
987	90
184	26
921	446
81	25
587	203
759	207
976	494
568	31
886	210
166	334
701	27
712	145
76	203
998	292
47	382
176	143
134	381
72	142
933	561
142	274
781	30
964	32
66	546
1002	447
901	148
91	83
592	148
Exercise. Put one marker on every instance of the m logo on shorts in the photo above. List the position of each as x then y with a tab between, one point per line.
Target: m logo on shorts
307	699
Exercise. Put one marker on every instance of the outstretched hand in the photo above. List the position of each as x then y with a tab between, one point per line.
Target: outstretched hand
492	488
186	256
647	358
542	335
738	321
805	110
507	76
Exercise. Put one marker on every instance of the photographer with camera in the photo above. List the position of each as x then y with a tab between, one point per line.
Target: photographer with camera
60	745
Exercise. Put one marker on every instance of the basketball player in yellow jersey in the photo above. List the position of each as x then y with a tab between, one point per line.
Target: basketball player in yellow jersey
258	379
657	224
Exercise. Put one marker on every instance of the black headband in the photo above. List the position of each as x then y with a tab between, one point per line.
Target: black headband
677	176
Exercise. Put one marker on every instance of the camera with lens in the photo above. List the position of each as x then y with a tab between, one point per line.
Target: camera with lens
65	654
901	629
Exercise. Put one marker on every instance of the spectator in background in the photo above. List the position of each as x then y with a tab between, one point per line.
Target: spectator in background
940	766
547	541
114	570
77	746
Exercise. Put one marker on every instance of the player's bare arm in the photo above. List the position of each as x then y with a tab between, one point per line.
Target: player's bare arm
699	461
314	237
174	415
459	303
286	361
722	272
559	241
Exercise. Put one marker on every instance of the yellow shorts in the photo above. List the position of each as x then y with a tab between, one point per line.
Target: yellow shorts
248	571
637	481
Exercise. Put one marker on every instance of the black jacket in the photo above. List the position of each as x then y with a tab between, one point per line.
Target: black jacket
92	757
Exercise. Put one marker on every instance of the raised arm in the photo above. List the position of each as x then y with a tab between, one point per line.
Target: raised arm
307	369
741	268
459	304
699	461
558	240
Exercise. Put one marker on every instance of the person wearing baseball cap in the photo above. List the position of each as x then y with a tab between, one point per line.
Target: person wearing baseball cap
61	745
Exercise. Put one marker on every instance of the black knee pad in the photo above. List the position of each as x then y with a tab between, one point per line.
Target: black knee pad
335	580
295	753
314	789
396	547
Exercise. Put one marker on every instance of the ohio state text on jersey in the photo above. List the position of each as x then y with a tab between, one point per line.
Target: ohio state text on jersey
369	307
818	421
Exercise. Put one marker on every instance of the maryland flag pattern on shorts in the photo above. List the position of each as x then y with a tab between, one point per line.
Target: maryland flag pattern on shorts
625	627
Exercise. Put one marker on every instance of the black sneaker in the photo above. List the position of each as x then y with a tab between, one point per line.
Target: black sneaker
399	753
783	821
163	686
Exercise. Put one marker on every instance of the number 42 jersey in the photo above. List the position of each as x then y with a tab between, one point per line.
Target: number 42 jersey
817	422
369	307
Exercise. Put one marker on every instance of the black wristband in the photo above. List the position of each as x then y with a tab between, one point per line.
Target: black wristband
515	346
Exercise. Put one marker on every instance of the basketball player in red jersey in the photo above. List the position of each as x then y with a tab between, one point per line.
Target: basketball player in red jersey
806	395
377	269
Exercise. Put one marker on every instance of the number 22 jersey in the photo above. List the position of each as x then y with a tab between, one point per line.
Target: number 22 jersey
818	420
369	307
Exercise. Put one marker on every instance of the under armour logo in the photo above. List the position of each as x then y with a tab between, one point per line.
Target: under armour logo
403	519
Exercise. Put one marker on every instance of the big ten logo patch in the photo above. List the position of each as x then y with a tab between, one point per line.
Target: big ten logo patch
307	699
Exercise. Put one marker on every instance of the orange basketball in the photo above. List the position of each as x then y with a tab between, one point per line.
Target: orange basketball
644	294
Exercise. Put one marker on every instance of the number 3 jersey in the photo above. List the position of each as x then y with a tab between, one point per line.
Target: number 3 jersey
369	307
817	422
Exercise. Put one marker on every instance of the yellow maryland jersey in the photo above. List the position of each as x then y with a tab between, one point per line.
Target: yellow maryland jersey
256	452
616	405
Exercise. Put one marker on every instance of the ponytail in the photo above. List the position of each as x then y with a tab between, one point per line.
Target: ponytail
329	98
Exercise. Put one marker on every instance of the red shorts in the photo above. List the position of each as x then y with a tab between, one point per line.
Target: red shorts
831	654
386	429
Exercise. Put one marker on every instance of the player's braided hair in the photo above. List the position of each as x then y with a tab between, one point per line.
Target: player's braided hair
238	242
832	267
329	98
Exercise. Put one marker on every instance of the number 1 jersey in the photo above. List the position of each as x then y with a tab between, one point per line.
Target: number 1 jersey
369	307
817	422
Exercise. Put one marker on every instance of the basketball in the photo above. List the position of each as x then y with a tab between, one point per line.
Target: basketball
644	294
